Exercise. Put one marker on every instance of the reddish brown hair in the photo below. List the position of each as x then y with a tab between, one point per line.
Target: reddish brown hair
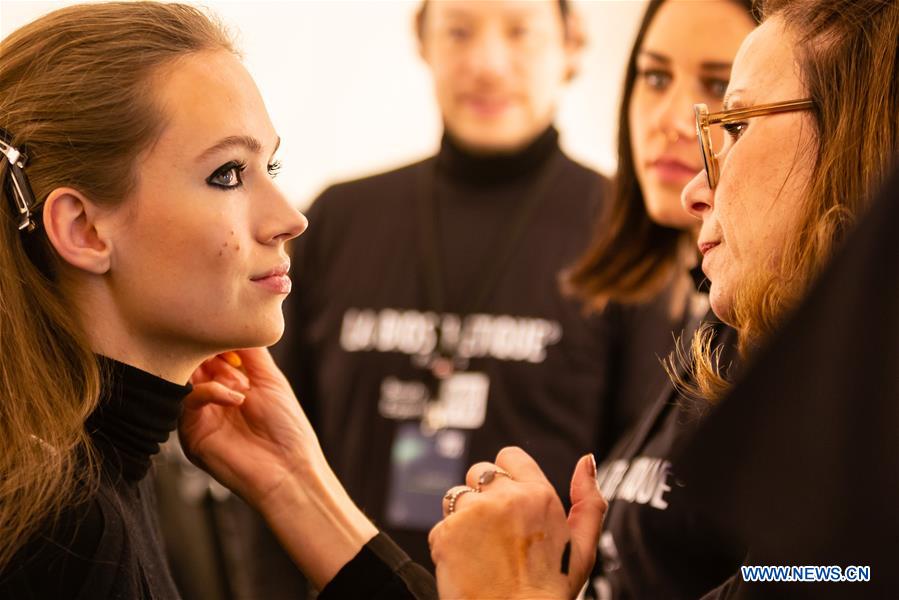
848	55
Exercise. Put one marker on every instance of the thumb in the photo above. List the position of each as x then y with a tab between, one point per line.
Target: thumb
588	508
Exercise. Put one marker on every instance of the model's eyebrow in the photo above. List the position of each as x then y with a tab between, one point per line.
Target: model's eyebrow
240	141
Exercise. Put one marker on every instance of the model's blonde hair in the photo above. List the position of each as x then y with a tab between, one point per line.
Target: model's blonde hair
76	96
847	53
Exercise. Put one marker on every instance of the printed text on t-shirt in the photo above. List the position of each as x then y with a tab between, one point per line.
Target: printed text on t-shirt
413	332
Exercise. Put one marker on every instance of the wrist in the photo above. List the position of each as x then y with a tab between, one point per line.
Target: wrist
316	521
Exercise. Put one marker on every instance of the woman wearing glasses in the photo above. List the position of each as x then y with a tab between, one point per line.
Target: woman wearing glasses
811	127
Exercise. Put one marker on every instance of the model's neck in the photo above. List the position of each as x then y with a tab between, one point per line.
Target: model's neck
111	334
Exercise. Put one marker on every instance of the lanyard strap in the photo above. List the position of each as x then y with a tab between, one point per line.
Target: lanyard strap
429	240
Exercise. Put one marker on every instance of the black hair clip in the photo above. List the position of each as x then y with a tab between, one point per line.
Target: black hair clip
16	182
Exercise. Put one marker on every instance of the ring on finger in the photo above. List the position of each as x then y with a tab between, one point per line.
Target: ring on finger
489	475
454	496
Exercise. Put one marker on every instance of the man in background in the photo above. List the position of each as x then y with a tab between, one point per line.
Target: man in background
426	330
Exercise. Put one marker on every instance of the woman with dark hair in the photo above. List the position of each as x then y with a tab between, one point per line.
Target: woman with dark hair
638	268
653	543
682	54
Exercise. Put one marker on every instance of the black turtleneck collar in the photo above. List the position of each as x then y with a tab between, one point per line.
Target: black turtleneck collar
137	412
463	165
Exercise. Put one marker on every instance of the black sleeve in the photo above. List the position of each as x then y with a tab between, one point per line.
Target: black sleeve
381	571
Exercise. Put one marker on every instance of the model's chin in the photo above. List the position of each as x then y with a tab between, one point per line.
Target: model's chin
272	329
264	330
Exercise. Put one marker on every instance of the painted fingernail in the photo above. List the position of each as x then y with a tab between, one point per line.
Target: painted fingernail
232	359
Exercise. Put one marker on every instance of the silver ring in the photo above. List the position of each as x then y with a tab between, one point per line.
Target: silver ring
454	496
488	476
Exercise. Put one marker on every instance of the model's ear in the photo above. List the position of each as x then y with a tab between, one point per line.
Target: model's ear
74	226
575	41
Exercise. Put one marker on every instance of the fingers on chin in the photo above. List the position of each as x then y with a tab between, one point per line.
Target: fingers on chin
213	392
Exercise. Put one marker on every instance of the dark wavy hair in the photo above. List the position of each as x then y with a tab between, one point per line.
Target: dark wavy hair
631	257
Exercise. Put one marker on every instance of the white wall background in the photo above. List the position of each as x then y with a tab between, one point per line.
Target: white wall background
349	96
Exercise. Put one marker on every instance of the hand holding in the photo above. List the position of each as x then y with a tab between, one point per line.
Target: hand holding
508	535
243	424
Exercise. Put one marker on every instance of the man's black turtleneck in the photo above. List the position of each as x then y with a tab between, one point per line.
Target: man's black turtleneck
363	317
108	546
477	197
486	169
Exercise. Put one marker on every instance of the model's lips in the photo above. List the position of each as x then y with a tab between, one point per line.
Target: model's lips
705	247
673	170
275	279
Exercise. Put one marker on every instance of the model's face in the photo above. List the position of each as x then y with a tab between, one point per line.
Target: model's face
685	58
199	254
499	67
765	169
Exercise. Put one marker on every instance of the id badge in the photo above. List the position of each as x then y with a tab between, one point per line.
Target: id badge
461	402
423	467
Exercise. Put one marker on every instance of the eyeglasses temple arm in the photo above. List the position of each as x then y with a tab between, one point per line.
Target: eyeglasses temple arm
738	114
